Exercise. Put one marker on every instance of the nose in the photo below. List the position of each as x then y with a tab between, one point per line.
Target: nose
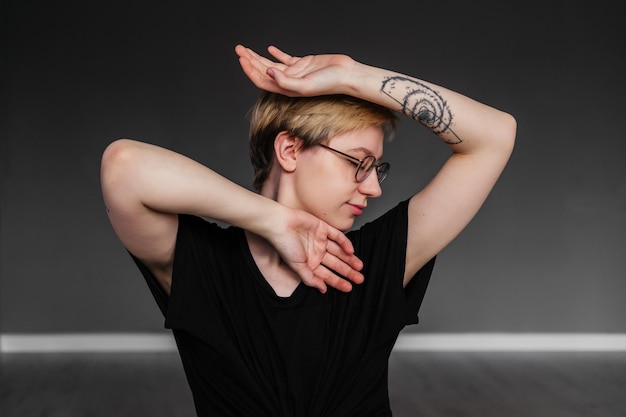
371	187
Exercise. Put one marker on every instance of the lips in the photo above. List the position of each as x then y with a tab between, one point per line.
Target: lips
356	209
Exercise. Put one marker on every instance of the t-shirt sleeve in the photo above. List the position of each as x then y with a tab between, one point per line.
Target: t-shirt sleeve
193	292
381	244
159	294
191	261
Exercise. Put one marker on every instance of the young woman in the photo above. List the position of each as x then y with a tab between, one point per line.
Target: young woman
288	312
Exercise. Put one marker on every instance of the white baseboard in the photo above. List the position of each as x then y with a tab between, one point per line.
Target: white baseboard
522	342
87	342
409	342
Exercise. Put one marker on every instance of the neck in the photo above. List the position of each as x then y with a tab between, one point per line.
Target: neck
269	190
262	250
277	274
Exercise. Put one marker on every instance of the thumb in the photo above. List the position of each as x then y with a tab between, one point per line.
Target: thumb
285	83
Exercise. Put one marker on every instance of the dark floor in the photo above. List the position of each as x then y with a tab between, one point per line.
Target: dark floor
421	385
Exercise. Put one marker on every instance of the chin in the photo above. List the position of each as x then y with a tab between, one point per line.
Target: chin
340	221
344	225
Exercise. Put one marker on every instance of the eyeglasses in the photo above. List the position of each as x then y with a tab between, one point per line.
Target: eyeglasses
364	166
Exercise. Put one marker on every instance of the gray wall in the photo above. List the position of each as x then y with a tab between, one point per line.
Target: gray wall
546	254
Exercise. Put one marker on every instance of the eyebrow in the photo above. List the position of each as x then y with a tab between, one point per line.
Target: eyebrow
365	151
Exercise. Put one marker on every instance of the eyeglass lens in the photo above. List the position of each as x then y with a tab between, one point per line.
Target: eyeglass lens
366	166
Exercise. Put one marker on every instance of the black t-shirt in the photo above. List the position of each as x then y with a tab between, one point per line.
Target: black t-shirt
248	352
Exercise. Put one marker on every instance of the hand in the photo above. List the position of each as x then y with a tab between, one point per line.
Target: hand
294	76
316	251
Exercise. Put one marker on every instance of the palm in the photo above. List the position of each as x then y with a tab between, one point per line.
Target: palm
295	76
320	254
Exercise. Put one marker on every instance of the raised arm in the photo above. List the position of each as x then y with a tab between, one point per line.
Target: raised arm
146	186
481	138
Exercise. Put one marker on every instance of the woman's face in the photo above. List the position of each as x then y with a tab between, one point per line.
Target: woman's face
324	181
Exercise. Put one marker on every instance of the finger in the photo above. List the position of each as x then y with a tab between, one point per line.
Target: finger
281	56
332	279
256	63
248	53
343	268
309	277
251	62
344	252
259	62
341	239
257	74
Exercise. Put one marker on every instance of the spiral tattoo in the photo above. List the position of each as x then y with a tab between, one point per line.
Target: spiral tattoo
423	104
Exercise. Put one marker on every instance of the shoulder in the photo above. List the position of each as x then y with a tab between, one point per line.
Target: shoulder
205	253
381	243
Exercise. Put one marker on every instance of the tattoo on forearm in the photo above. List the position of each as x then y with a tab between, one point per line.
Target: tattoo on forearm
422	104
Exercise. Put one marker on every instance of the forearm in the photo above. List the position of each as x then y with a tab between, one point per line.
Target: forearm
465	124
145	187
167	182
469	127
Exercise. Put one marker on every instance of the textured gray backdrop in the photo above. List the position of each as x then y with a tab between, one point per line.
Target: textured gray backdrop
546	253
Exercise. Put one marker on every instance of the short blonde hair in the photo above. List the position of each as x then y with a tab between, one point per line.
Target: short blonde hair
314	120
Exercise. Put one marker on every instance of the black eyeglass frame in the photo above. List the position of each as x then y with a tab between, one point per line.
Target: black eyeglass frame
382	169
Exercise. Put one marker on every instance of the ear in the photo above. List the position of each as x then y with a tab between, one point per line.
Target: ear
286	148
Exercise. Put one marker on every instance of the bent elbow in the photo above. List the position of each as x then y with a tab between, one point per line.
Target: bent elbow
115	153
116	156
507	131
511	127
